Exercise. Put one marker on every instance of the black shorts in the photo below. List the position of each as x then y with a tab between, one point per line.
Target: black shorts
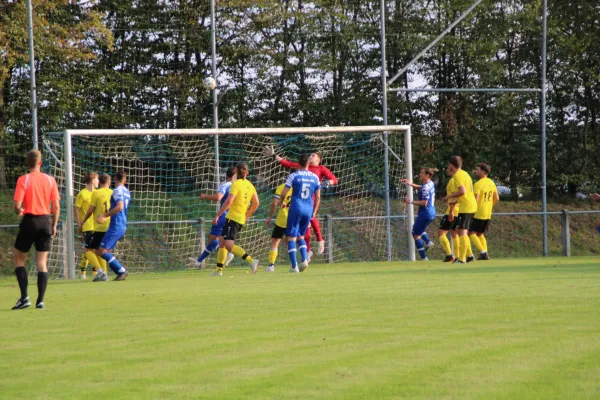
446	225
479	225
464	220
34	229
87	239
95	240
278	232
231	230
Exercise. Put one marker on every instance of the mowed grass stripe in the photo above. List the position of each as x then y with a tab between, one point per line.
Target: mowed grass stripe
504	329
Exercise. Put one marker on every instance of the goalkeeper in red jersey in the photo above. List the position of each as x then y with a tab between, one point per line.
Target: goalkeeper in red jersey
326	177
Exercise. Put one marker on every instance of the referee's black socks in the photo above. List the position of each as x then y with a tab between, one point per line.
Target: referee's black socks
42	283
21	274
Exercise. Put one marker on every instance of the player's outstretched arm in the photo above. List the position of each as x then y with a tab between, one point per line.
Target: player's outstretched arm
409	183
270	151
595	196
212	197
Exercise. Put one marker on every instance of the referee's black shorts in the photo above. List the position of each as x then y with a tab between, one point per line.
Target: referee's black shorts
34	229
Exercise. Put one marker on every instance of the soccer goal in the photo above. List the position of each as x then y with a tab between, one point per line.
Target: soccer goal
363	217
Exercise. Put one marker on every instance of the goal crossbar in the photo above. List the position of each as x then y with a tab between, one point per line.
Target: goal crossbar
70	133
236	131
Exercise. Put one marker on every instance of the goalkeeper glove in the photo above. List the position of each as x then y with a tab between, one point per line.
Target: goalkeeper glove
269	151
326	183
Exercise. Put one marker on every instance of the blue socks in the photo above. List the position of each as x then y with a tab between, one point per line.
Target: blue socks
212	246
302	247
113	263
598	228
420	247
425	238
292	253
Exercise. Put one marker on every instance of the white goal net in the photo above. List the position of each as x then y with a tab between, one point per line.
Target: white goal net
168	170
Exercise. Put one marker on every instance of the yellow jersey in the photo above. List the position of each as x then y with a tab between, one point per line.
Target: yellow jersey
485	188
101	202
83	201
451	188
282	215
467	201
243	191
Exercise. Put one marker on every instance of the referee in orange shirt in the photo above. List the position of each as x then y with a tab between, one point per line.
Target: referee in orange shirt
34	194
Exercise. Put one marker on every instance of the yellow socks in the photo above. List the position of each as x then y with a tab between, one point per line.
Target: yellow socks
469	248
239	252
93	259
103	264
483	241
445	245
464	247
272	256
221	257
475	240
457	245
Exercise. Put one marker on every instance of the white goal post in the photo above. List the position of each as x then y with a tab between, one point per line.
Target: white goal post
406	159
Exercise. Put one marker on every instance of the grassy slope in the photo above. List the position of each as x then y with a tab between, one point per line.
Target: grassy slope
506	329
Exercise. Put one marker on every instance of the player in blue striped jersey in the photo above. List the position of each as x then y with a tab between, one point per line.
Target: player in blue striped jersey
216	230
119	204
304	184
426	213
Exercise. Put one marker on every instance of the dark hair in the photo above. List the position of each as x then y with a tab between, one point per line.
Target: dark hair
119	176
456	161
485	168
89	177
429	171
230	172
292	170
33	158
303	161
104	179
242	170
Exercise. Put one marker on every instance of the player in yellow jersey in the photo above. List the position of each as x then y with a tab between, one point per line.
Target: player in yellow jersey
486	195
100	205
467	204
241	203
82	204
448	223
280	222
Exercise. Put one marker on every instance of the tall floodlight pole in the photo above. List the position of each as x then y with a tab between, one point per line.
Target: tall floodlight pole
34	127
215	91
543	132
386	162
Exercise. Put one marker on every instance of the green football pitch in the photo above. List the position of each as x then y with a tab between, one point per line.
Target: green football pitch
502	329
